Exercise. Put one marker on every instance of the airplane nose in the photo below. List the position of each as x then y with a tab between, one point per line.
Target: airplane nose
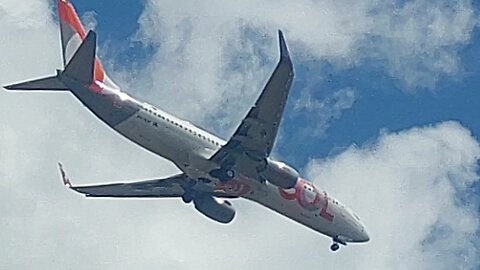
364	237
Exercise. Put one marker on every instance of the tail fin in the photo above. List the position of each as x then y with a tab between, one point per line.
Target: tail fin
72	34
81	68
78	52
71	30
82	65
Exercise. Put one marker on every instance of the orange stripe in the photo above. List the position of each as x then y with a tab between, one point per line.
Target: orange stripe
98	74
67	13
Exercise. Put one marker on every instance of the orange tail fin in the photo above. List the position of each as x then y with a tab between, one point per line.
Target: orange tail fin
72	34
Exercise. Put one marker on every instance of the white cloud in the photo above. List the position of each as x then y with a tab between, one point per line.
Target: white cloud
420	40
89	20
322	112
220	53
407	188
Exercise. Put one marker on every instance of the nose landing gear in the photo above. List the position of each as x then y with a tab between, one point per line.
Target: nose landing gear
337	240
334	247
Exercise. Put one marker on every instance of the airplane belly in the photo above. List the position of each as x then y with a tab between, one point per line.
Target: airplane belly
155	136
171	144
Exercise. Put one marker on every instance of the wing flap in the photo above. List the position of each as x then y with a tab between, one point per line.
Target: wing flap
170	187
144	189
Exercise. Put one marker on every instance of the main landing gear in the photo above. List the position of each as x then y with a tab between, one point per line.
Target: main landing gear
223	174
187	197
189	194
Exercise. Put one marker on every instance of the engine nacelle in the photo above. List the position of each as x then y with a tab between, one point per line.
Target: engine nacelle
215	208
280	174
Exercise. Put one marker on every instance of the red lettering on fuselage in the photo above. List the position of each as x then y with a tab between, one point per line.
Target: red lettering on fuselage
325	214
233	187
308	197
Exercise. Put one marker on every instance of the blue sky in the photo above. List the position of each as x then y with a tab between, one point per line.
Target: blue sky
368	120
381	103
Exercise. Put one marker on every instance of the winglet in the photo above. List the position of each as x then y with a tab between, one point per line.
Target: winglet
65	179
284	54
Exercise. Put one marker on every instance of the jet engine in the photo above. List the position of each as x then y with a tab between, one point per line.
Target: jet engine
217	209
280	174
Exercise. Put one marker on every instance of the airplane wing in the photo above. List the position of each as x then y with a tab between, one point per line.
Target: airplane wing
255	136
171	187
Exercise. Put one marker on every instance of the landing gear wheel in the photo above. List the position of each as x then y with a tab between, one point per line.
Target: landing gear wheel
230	173
187	198
334	247
223	174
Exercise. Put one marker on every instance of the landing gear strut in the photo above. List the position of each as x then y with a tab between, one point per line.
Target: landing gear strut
336	241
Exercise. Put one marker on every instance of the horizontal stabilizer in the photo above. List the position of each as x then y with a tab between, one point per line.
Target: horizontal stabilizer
48	83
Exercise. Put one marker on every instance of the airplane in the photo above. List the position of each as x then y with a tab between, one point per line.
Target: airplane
212	169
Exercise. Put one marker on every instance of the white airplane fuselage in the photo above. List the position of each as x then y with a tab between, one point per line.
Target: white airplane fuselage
190	148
